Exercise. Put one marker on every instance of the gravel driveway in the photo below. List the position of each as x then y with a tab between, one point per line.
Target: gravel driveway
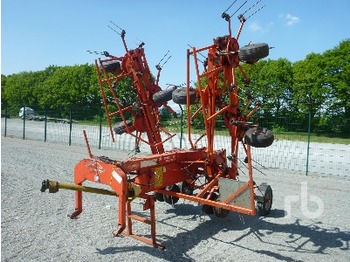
35	226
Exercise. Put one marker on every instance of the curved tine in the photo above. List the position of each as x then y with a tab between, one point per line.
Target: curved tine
255	12
230	6
257	2
239	8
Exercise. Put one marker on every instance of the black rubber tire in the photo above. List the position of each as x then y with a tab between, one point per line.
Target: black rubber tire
186	188
220	212
163	95
253	52
207	209
171	199
159	197
259	137
264	207
119	128
111	66
180	96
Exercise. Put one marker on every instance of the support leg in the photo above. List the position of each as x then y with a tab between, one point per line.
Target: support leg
121	217
78	204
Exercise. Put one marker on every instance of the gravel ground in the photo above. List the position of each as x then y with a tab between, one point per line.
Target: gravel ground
309	221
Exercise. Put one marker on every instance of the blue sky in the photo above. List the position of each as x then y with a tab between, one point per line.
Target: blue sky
36	34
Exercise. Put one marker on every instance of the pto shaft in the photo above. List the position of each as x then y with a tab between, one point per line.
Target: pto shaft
54	186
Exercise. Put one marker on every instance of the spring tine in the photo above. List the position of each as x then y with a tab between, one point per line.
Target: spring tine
199	53
239	8
166	61
179	85
141	42
230	6
93	52
159	66
257	2
164	57
113	30
122	33
115	25
255	12
105	53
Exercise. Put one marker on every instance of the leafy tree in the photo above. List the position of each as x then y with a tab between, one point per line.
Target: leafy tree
310	88
19	89
252	89
165	114
271	85
69	87
337	105
275	85
3	84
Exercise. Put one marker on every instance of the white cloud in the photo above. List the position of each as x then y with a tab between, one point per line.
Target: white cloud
291	20
258	27
255	27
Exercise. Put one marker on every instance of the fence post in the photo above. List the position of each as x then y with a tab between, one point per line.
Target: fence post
308	142
45	126
6	119
100	135
24	123
70	126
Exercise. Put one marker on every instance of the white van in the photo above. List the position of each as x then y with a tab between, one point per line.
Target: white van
28	113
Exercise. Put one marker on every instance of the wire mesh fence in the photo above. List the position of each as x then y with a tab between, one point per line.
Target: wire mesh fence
299	151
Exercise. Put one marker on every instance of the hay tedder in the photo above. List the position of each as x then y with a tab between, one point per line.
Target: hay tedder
202	174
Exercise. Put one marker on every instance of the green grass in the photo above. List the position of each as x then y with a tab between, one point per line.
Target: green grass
301	136
174	127
293	136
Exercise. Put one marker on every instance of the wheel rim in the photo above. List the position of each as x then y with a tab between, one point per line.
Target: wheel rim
268	200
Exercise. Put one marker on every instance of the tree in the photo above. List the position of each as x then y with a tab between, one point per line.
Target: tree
274	83
310	88
19	89
165	114
270	84
3	84
68	87
337	68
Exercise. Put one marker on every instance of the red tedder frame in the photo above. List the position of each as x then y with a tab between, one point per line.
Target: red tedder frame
205	175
